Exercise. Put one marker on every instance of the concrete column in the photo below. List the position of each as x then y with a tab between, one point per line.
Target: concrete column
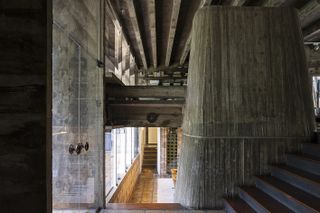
248	100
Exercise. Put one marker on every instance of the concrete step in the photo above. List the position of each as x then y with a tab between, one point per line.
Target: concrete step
150	150
237	205
149	156
260	201
306	163
311	149
306	181
294	198
145	206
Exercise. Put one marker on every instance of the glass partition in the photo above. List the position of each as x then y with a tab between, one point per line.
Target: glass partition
129	142
121	148
77	114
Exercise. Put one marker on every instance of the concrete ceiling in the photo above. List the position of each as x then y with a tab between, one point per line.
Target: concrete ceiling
158	31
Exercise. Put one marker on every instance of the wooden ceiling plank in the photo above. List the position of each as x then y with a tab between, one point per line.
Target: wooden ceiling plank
186	48
312	32
309	12
153	30
147	91
134	21
173	26
273	3
117	22
237	2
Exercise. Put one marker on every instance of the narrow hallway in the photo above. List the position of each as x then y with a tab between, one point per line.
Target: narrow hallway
153	189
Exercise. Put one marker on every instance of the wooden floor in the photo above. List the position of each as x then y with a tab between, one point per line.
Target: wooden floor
152	208
145	206
152	189
149	196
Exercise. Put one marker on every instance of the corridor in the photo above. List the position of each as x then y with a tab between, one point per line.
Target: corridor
153	189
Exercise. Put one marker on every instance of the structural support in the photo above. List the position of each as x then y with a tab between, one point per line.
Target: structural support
173	27
273	3
309	12
153	31
248	102
146	91
234	2
186	48
134	19
312	32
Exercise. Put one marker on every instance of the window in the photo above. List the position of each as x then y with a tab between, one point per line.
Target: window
121	147
109	161
129	147
121	153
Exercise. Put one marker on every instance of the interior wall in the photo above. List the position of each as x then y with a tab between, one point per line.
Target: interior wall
25	79
77	104
163	151
152	135
126	187
142	141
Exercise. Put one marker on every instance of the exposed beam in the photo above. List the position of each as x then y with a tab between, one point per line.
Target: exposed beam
138	116
309	12
313	58
141	121
186	48
234	2
144	110
111	78
166	69
169	77
135	25
110	10
273	3
147	91
173	27
154	103
115	19
312	32
153	30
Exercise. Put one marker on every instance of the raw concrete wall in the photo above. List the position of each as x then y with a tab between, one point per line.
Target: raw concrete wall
77	105
23	86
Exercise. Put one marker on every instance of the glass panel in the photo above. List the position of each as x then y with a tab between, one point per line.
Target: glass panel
132	143
121	153
316	94
128	147
77	120
109	162
136	142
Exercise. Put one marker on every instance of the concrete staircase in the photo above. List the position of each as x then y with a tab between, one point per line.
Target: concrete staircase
291	187
150	156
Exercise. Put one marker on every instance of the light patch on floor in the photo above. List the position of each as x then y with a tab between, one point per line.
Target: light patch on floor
152	189
164	191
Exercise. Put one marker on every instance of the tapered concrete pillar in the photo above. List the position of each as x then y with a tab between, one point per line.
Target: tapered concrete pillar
248	100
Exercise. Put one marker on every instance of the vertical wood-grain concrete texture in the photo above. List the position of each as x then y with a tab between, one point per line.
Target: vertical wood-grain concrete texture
24	69
77	105
248	100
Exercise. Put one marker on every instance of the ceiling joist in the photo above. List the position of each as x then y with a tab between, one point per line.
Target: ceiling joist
312	32
273	3
309	13
134	21
187	45
153	30
172	30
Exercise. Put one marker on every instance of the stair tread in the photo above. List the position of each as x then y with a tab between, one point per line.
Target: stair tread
265	200
313	145
291	191
239	205
298	172
306	157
